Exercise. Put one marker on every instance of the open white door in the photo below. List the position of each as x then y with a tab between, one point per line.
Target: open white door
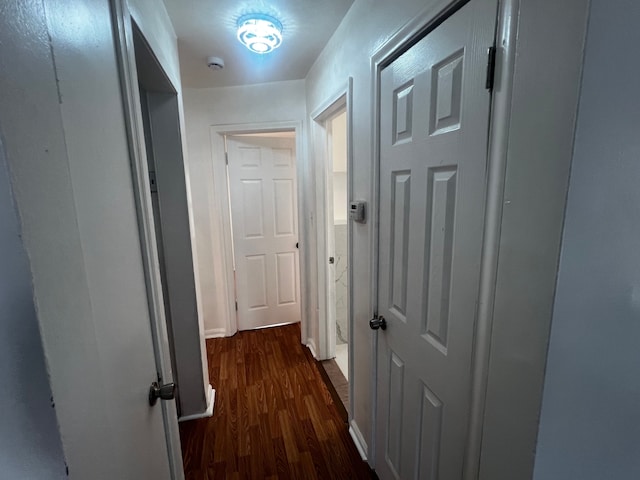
262	186
433	162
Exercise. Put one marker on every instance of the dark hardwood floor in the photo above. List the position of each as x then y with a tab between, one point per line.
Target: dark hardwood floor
274	416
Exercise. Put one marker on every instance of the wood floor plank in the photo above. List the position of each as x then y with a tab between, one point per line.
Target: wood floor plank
288	436
274	416
315	450
282	464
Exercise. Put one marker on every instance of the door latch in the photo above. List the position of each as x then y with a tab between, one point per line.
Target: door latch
164	392
332	260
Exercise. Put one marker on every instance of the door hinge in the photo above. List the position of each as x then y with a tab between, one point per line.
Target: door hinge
491	67
152	182
236	305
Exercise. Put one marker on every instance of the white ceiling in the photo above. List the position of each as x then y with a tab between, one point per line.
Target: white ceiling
208	27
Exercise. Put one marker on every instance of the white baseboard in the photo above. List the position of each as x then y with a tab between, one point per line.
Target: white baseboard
358	439
211	399
215	333
312	346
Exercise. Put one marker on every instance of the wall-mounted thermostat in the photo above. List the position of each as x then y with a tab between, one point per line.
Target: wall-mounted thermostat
357	211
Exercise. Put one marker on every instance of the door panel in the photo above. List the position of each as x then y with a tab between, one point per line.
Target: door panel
262	185
284	193
401	185
433	144
439	254
430	421
286	275
256	270
396	404
252	218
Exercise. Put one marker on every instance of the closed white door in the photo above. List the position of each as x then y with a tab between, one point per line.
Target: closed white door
262	183
433	139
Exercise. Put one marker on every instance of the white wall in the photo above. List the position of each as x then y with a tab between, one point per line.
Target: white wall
33	134
340	198
339	142
62	123
30	445
153	20
590	423
339	162
272	102
365	28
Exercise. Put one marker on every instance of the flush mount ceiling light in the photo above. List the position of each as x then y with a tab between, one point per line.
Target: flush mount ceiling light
259	33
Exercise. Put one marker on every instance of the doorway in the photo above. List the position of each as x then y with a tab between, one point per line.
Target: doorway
163	163
222	217
263	205
333	159
337	194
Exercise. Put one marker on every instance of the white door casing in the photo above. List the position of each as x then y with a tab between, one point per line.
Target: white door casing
434	118
324	347
263	195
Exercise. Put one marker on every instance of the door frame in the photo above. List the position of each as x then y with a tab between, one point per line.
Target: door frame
508	363
125	56
221	199
340	100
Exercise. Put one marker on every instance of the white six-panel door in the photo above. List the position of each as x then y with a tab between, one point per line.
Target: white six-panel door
433	143
262	183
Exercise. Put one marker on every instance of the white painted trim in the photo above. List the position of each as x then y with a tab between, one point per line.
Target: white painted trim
506	32
215	333
320	136
339	100
125	56
221	198
211	400
311	345
332	104
539	143
343	98
350	253
358	440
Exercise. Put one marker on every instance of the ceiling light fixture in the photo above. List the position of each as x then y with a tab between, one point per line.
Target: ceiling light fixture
259	33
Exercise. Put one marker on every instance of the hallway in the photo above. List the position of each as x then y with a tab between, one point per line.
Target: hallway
273	416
